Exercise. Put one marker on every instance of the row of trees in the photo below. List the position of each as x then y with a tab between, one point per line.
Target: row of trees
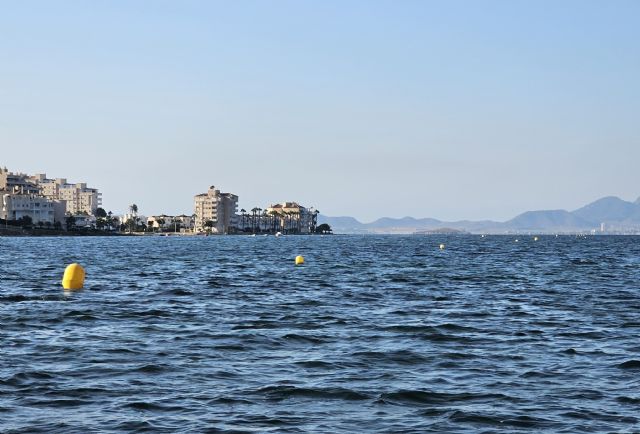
263	221
26	222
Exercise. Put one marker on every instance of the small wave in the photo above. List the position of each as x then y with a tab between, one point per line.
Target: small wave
229	347
459	356
15	298
583	262
590	395
628	400
601	417
62	402
150	406
439	398
284	392
23	378
538	374
431	333
19	298
316	364
399	279
150	368
499	420
303	339
257	325
121	351
81	315
136	426
456	327
585	335
228	400
404	357
630	364
408	328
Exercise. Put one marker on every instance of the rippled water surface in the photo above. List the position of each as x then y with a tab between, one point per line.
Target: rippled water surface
372	334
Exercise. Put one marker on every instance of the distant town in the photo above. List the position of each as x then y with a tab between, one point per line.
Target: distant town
36	202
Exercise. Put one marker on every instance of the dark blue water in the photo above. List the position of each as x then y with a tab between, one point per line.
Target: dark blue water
372	334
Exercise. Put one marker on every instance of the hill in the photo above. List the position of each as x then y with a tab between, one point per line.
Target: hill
615	213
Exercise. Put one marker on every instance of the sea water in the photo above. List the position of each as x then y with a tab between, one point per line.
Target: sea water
371	334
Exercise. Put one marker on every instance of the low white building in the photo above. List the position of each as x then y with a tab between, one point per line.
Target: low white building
168	223
186	222
161	222
84	221
38	208
138	218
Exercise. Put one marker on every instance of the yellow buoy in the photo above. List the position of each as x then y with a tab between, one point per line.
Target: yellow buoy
73	277
299	260
441	246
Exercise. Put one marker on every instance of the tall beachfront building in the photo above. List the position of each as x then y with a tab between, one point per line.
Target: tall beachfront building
215	211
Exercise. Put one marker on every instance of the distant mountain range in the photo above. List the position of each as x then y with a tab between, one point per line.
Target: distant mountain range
609	214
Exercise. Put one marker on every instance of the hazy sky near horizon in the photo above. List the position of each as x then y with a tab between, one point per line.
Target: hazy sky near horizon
451	109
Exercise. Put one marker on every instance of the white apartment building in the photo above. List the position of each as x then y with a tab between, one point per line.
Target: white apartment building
38	208
20	183
215	211
79	198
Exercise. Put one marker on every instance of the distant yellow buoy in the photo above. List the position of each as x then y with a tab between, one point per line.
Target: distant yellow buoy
535	238
73	277
441	246
299	260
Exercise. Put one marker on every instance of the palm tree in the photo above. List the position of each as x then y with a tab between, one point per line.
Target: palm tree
272	221
253	219
70	221
101	222
115	223
109	220
314	221
259	219
296	216
244	214
287	221
208	224
130	224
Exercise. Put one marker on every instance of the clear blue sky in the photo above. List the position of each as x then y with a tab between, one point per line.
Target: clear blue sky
451	109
